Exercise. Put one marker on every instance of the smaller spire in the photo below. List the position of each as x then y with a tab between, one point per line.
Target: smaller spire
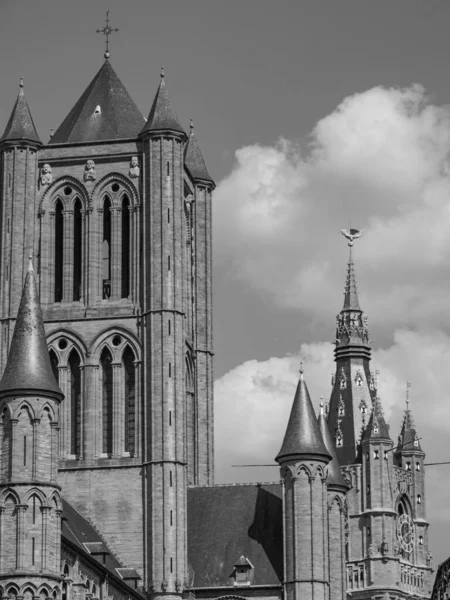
335	477
20	126
377	428
28	370
162	116
193	158
302	438
408	439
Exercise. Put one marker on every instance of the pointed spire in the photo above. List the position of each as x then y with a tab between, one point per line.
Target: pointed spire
377	428
351	301
20	125
194	159
408	439
335	477
162	116
302	438
28	370
105	111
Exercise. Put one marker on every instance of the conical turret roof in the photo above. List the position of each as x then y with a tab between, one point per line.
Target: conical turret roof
194	159
335	477
377	428
408	439
28	369
302	437
162	116
105	111
20	125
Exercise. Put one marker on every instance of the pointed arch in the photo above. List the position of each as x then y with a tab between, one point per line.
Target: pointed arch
54	363
74	364
10	495
53	191
105	339
35	492
107	401
59	251
128	360
115	177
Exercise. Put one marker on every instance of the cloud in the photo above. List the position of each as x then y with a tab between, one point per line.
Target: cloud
253	402
378	161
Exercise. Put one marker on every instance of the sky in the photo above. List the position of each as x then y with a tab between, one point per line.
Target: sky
312	117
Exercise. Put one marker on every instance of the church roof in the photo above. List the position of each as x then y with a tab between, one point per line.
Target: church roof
194	159
334	471
226	522
302	435
28	368
162	116
20	125
105	111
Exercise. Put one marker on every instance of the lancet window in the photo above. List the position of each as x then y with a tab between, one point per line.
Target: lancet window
59	251
129	400
107	402
74	363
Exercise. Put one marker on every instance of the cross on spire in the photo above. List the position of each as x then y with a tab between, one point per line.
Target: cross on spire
107	30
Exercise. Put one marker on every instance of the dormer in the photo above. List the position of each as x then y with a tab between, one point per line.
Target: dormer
243	572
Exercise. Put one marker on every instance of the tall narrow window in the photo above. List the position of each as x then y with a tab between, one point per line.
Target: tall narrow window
107	400
54	364
130	400
77	246
59	249
75	403
106	248
125	247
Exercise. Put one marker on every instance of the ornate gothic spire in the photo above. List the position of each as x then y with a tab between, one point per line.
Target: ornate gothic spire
408	440
302	437
20	125
28	370
194	159
352	335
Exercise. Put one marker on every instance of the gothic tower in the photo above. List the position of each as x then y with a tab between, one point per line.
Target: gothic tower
30	514
303	459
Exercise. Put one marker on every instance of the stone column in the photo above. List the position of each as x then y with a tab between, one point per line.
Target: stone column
118	410
68	256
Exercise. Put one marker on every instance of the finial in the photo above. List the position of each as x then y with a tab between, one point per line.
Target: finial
30	264
107	30
51	133
301	370
322	412
408	385
352	235
21	82
162	73
191	125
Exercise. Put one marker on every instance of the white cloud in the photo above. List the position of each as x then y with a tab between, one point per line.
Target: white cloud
380	161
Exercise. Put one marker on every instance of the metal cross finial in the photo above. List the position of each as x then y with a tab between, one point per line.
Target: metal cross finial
408	385
107	30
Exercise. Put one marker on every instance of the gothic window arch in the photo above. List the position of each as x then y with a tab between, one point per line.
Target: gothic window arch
33	524
125	254
107	401
77	248
128	360
106	247
59	251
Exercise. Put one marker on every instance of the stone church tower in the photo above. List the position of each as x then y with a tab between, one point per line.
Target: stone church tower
116	212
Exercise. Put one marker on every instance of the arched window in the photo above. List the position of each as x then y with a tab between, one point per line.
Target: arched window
106	248
59	250
77	249
54	363
130	400
125	247
107	400
75	403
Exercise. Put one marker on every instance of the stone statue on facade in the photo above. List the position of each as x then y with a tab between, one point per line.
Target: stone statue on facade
46	175
89	171
134	171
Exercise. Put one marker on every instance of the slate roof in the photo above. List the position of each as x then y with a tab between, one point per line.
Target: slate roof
302	437
335	477
226	522
105	111
193	160
162	116
20	125
28	368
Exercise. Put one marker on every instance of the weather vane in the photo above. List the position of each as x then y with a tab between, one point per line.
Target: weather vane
107	30
352	235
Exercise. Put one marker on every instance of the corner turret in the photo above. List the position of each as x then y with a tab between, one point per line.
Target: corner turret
162	116
20	127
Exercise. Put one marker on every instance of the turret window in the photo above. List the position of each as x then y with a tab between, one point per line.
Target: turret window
420	540
385	455
376	454
408	466
419	499
417	466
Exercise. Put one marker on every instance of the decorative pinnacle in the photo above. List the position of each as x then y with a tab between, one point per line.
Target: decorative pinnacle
162	73
21	82
322	412
191	124
107	30
301	370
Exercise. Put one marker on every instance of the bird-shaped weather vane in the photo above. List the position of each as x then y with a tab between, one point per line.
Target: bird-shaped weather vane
352	235
107	30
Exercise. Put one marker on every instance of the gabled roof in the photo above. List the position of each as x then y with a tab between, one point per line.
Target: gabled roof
228	521
302	437
105	111
20	125
335	477
377	428
162	116
194	159
28	368
408	439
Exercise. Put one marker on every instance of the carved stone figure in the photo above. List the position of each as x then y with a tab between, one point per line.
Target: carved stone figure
134	171
89	171
46	175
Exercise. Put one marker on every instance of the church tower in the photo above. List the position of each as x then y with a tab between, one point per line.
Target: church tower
303	459
30	517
